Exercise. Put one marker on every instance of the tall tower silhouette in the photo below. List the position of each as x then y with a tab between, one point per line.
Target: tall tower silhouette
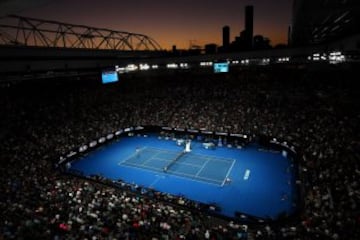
249	26
226	37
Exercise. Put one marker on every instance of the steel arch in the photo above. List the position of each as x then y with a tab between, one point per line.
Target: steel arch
45	33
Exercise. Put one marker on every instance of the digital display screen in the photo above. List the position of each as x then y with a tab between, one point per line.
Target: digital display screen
109	77
221	67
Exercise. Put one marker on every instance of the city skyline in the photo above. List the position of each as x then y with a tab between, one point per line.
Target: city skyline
179	23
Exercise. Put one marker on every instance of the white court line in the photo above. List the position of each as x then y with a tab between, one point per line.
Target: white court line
169	155
187	164
184	163
227	174
161	159
154	182
155	152
209	156
197	174
162	150
180	163
199	156
206	158
219	159
135	154
191	157
126	159
131	156
142	167
150	158
192	176
187	176
176	174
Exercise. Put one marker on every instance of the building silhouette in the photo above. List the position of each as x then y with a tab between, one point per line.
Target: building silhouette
249	26
211	48
245	40
226	38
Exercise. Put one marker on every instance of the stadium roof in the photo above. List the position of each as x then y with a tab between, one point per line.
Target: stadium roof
323	21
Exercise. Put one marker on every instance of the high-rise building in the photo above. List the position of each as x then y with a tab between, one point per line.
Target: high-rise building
226	37
249	26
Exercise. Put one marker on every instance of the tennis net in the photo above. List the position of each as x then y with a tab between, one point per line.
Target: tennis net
166	168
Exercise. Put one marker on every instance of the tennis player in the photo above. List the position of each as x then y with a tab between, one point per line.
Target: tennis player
137	151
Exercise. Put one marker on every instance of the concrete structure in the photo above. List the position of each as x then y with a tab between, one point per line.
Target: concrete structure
210	48
324	22
21	60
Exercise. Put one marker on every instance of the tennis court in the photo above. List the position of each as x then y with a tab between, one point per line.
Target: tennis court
257	183
205	168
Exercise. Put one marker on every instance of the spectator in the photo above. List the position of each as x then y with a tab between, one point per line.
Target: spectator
311	110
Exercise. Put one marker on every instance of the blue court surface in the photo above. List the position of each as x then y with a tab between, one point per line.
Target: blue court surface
251	181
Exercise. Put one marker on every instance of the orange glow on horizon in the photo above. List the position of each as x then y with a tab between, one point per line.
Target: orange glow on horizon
166	41
171	23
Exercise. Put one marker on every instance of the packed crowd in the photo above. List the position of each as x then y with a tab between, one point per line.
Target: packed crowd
318	111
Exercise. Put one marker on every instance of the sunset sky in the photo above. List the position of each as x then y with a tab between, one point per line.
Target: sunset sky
169	22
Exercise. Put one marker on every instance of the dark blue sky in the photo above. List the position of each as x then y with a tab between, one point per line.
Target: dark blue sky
169	22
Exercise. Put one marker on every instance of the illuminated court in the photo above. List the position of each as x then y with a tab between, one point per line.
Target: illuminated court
205	168
250	181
